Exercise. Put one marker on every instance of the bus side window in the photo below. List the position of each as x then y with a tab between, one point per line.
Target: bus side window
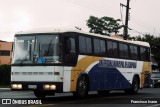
145	54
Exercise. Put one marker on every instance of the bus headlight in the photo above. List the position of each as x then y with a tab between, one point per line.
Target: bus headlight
19	86
46	87
16	86
52	87
49	87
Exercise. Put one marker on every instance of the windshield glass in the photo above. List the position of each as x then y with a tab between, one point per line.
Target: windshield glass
36	49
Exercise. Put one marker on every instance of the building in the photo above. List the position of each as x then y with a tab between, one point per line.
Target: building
5	52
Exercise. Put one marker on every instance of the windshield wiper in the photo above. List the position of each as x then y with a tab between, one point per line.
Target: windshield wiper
23	59
49	47
29	51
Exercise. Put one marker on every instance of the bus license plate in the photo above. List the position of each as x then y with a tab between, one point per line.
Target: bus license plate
32	86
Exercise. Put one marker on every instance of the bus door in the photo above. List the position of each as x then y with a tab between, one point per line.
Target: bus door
70	50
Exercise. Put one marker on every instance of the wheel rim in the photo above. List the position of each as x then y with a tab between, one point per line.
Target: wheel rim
82	86
136	86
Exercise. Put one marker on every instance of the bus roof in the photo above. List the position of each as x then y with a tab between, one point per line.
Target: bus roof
63	30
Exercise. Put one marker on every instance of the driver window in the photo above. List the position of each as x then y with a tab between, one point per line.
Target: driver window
73	45
70	46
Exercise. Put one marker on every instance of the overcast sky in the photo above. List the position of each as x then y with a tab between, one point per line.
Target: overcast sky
20	15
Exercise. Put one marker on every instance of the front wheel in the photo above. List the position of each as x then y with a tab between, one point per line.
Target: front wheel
39	94
135	86
82	87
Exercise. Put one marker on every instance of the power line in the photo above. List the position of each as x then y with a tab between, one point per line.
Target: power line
100	6
136	31
127	18
125	34
143	33
89	6
121	12
154	33
144	27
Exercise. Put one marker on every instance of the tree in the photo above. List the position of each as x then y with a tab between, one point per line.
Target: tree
104	25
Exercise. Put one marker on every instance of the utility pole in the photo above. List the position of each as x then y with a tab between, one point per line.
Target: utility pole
125	32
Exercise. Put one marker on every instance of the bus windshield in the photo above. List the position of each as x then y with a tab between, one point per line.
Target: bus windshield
38	49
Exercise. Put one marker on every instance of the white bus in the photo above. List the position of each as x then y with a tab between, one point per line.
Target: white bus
50	61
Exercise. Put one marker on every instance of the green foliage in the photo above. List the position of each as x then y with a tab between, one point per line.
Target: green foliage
104	25
5	71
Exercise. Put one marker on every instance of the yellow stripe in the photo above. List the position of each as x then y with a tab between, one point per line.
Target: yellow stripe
81	66
145	70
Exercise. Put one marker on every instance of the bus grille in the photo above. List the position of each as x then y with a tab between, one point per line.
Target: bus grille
32	73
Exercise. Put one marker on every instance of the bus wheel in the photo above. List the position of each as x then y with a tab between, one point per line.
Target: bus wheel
151	85
39	94
82	87
135	86
103	92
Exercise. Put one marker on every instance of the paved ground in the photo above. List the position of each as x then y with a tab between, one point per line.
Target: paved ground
114	99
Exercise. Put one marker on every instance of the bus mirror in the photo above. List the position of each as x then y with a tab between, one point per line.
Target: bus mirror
12	46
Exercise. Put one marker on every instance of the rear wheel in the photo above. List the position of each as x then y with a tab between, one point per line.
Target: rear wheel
82	87
39	94
151	85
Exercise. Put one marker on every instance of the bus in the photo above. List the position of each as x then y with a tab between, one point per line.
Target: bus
50	61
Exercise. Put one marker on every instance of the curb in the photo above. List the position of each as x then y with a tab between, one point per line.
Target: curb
5	89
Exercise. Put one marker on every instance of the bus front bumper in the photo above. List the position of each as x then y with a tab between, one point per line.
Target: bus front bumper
42	86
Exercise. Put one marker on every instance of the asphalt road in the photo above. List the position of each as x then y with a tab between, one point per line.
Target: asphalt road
147	97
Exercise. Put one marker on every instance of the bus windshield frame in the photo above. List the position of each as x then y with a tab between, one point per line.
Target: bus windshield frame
37	49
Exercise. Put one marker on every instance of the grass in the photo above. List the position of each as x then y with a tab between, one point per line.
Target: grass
4	86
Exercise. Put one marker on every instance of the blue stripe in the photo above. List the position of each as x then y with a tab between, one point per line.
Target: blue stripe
102	78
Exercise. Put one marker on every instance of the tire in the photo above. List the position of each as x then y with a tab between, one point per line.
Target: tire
40	94
82	87
103	92
151	85
135	86
155	86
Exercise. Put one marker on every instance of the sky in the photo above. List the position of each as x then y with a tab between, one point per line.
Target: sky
21	15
